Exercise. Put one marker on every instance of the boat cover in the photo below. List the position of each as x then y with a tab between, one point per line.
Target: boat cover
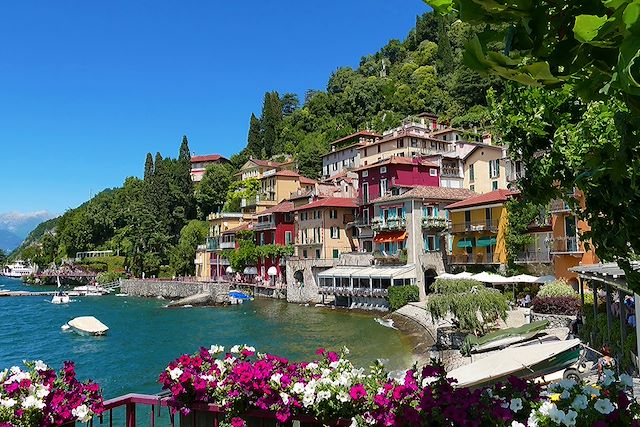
508	361
88	324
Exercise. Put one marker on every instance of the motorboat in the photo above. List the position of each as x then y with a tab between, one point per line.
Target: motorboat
88	326
60	297
89	291
18	269
504	337
238	297
526	362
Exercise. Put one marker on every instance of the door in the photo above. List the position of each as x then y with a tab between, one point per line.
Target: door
570	233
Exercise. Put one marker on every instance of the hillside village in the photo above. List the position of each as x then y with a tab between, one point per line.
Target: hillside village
401	207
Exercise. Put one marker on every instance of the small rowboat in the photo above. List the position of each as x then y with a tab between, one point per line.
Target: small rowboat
88	325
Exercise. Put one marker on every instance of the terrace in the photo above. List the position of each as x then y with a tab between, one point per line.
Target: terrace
483	225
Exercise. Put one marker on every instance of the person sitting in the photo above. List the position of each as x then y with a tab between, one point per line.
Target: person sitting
526	301
606	361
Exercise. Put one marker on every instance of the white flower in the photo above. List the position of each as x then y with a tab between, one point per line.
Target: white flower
298	388
580	402
32	402
626	380
250	348
343	396
546	407
235	349
8	403
428	380
603	406
334	365
515	423
175	373
285	398
590	390
567	384
41	392
516	404
207	377
220	365
557	415
40	365
307	399
215	349
15	369
81	413
323	395
276	377
570	418
354	422
565	395
312	365
345	350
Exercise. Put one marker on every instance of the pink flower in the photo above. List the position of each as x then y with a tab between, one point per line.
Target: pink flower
238	422
333	357
357	392
320	351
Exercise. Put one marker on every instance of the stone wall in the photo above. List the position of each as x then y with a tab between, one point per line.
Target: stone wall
306	290
555	320
165	289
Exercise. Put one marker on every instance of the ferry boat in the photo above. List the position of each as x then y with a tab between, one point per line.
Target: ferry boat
17	269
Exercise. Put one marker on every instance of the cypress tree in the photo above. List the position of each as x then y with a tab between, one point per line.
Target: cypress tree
148	167
271	118
185	154
254	137
158	162
444	63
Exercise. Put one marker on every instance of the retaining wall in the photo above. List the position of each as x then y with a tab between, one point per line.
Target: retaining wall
165	289
555	320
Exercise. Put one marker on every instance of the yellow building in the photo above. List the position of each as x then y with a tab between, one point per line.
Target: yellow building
276	186
321	231
484	169
478	226
255	168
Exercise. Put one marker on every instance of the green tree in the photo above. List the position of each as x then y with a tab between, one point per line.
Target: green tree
290	103
445	54
270	119
211	192
239	190
183	254
3	257
310	153
254	138
185	153
148	166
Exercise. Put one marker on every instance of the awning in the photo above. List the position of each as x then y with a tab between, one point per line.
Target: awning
375	272
250	270
487	277
464	243
485	241
390	236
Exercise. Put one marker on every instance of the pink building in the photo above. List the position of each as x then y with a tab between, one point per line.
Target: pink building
274	226
386	177
199	165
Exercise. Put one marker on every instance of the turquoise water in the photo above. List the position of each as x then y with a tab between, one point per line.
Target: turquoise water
144	336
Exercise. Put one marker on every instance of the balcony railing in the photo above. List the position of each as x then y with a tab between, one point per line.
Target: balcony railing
388	224
450	172
566	245
258	226
541	257
213	244
473	258
558	206
353	292
227	245
486	225
435	223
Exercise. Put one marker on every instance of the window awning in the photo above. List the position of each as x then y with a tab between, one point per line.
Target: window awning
486	241
390	236
464	243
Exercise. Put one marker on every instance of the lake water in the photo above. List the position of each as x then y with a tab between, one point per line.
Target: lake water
144	336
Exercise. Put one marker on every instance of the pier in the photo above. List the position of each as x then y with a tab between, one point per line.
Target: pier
27	293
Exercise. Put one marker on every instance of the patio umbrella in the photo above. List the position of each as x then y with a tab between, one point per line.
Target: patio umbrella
272	271
491	278
524	278
229	270
545	279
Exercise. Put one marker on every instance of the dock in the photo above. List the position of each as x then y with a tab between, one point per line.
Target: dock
27	294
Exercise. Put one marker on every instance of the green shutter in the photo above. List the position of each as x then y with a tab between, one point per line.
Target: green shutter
437	240
483	242
465	243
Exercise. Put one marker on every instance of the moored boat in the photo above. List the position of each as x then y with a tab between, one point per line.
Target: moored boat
88	325
17	269
505	337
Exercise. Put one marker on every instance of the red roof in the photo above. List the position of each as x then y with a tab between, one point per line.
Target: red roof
207	158
267	163
496	196
330	202
353	135
307	181
302	179
283	207
399	160
243	226
431	193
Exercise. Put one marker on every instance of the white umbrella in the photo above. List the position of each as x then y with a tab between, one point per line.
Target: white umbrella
229	270
523	278
463	275
447	276
250	270
545	279
272	271
490	278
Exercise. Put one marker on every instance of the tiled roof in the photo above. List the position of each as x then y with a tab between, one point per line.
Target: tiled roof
330	202
243	226
433	193
302	179
207	158
283	207
353	135
307	181
398	160
267	163
496	196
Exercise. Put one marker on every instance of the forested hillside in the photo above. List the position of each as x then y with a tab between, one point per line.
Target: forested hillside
157	221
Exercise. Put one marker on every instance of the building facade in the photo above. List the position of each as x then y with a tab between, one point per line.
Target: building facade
199	165
274	226
344	155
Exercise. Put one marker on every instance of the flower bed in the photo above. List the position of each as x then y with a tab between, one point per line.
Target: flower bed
40	396
331	388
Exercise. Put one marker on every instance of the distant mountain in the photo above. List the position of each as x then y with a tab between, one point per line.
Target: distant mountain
16	226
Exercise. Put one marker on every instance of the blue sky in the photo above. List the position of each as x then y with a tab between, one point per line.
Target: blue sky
87	88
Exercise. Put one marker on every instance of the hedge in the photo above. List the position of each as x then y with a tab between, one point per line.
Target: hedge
400	296
564	305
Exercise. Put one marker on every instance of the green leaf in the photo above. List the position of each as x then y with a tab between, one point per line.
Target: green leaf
629	65
614	4
631	17
587	27
442	7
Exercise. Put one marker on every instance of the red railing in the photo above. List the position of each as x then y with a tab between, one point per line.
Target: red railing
201	414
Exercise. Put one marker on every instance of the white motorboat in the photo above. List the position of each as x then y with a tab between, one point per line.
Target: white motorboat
88	325
17	269
89	291
60	297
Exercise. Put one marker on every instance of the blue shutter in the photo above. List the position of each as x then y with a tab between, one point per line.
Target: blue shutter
437	240
435	211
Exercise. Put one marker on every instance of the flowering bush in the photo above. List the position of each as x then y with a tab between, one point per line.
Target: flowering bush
557	288
556	305
40	396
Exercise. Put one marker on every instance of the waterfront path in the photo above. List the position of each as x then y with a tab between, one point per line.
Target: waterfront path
26	293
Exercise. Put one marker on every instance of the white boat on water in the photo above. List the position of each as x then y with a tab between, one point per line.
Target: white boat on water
89	291
60	297
17	269
88	325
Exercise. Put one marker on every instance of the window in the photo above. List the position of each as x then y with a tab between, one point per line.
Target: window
288	237
335	233
472	187
304	253
414	142
317	253
365	174
433	172
383	186
472	173
488	214
383	169
365	216
467	217
261	239
400	143
378	148
430	211
336	253
494	185
431	243
365	193
305	237
333	214
494	168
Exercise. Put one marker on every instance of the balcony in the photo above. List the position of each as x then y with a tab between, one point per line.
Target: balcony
559	206
490	225
212	244
267	225
227	245
566	245
473	258
201	248
378	224
541	257
250	201
450	172
435	223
